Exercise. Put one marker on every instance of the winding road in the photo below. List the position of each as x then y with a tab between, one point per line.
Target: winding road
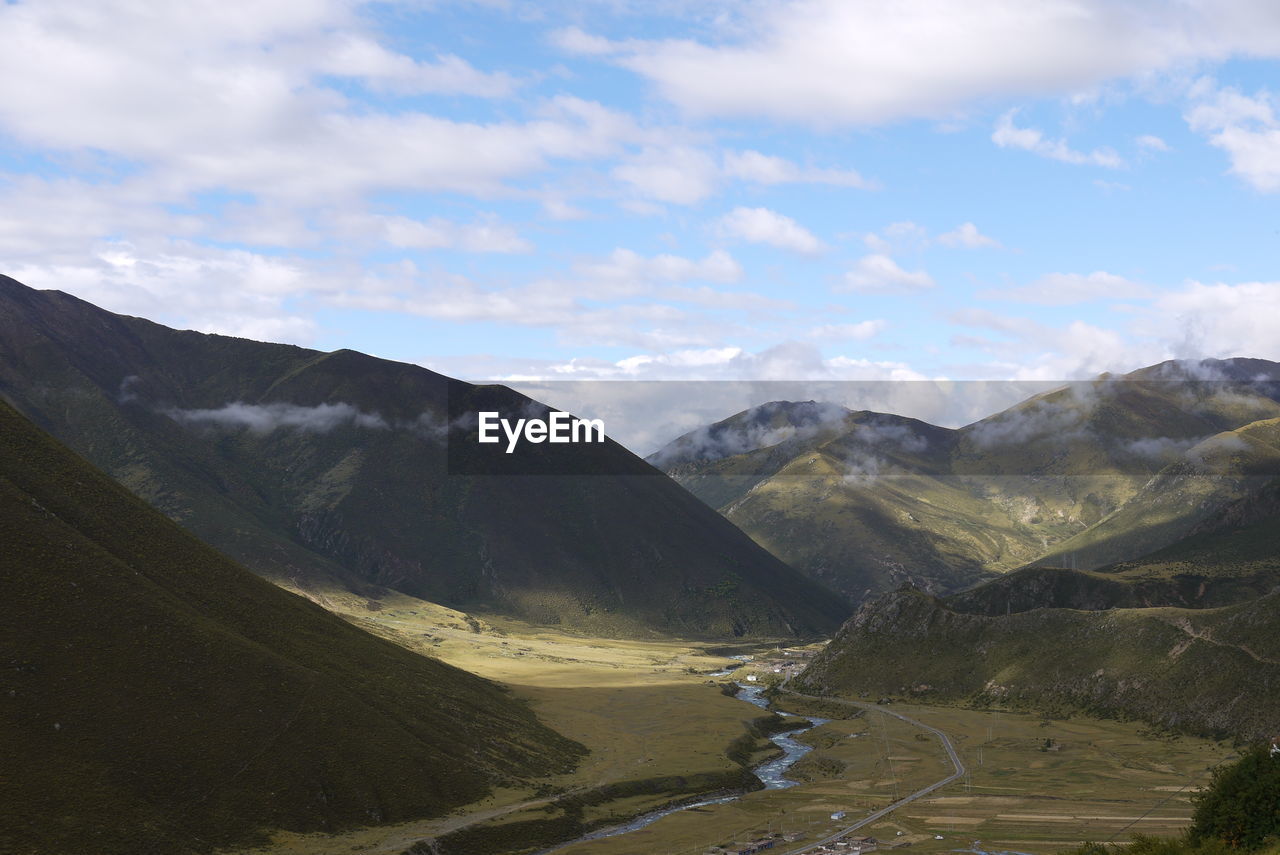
918	794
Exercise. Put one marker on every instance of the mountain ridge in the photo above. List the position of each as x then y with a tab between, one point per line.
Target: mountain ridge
327	471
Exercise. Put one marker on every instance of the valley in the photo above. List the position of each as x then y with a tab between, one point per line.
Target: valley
642	713
283	595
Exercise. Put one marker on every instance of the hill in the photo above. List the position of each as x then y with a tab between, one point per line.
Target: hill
338	471
157	697
1207	671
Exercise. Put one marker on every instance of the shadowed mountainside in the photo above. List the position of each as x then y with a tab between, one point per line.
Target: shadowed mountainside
157	697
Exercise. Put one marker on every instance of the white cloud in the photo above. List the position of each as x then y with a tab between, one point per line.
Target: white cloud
1150	142
1034	351
761	225
678	174
238	97
1065	289
967	235
859	332
880	274
1245	127
901	236
233	292
832	61
1216	320
264	418
435	233
362	57
626	265
1009	135
768	169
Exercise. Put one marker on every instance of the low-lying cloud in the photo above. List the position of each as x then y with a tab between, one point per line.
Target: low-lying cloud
265	418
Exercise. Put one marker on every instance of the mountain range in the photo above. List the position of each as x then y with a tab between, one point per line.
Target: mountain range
1090	475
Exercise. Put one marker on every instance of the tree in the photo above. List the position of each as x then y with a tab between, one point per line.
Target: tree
1241	805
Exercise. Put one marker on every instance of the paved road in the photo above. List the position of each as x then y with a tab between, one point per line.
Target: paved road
867	820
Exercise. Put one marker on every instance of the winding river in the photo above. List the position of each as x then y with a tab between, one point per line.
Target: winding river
771	773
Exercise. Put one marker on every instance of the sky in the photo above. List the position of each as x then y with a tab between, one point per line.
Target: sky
700	190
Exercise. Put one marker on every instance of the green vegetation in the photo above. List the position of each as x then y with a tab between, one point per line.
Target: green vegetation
155	696
1208	671
327	473
1241	806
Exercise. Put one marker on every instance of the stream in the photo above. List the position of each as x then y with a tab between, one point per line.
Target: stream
771	773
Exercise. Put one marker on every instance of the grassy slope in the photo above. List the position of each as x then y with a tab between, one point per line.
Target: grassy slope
1231	557
619	551
1204	670
1227	468
156	697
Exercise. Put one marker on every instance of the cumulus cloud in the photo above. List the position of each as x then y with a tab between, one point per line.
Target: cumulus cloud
1009	135
678	174
228	291
238	97
880	274
1245	127
762	225
1215	320
831	61
967	236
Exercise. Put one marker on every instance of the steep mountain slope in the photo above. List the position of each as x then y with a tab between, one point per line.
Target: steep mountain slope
1231	557
157	697
327	471
1224	469
1211	671
868	501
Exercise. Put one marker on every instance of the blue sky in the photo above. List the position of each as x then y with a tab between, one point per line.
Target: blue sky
697	190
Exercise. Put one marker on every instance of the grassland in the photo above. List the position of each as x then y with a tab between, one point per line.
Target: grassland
647	710
645	716
1100	780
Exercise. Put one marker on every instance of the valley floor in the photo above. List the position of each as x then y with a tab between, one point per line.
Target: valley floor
645	710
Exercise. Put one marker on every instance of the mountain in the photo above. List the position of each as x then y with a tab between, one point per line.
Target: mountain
157	697
1206	671
339	472
1088	475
